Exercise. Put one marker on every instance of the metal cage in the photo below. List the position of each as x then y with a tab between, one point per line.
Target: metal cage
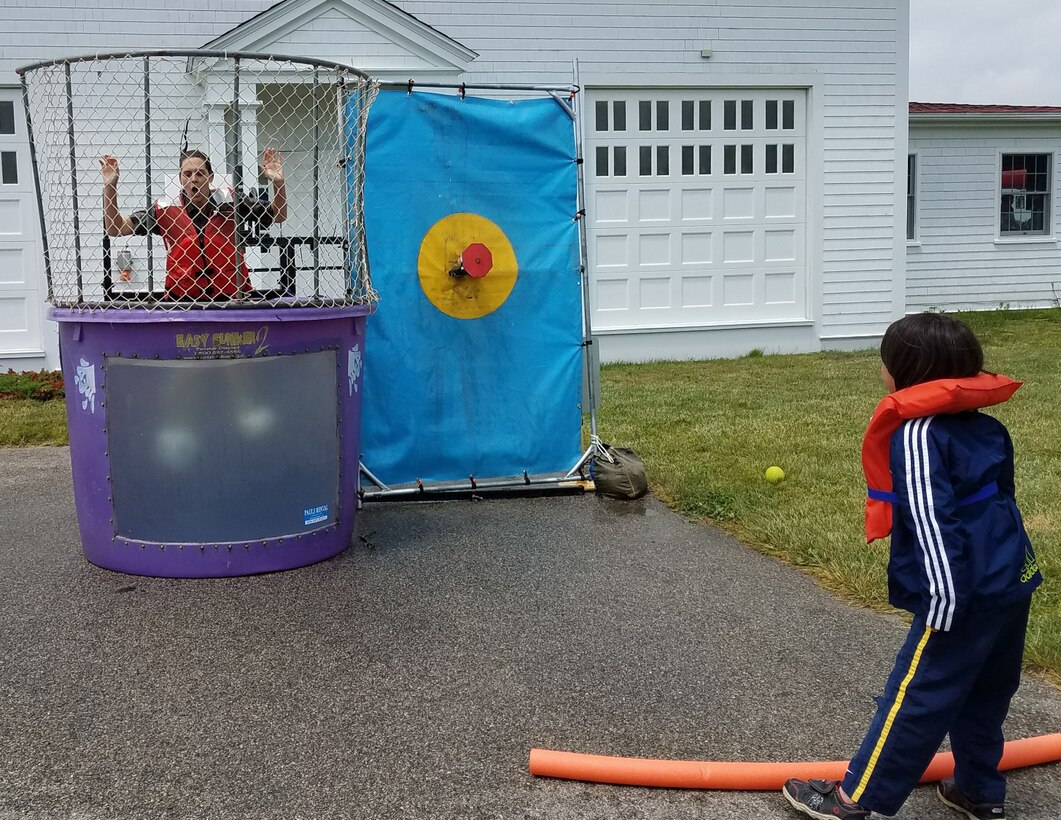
280	221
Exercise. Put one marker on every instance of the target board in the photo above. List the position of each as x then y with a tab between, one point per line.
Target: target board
467	267
473	360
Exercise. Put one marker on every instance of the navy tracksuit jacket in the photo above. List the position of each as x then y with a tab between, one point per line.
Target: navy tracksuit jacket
962	563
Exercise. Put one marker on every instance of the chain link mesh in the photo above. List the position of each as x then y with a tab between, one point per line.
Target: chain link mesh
271	128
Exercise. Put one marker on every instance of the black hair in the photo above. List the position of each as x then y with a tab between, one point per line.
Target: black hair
195	154
924	347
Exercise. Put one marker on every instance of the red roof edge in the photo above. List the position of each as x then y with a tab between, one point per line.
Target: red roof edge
962	108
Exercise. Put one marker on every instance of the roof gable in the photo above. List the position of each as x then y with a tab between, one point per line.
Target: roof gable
373	36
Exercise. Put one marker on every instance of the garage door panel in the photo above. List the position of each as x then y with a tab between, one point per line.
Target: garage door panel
611	207
697	248
781	202
697	205
12	265
14	316
612	295
11	217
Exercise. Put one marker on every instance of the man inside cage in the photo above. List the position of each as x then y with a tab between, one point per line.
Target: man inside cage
204	243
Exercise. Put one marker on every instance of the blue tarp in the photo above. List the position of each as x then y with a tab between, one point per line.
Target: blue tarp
446	397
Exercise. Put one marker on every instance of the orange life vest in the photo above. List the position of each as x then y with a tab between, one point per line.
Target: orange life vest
200	264
917	401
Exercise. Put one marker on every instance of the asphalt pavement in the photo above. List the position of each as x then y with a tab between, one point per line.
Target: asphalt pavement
410	676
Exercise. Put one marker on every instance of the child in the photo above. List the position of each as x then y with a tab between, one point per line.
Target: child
960	561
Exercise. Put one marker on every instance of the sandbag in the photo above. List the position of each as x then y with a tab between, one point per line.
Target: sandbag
622	477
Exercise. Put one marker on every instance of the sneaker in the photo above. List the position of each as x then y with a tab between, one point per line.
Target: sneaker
950	795
821	798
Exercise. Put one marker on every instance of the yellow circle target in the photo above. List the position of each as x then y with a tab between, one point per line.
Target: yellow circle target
467	267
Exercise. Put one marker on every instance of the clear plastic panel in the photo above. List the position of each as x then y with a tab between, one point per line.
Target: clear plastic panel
223	451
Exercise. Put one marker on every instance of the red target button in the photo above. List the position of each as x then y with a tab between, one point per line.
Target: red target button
477	260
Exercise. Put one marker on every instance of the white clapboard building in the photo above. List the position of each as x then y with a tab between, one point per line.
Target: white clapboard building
981	215
745	160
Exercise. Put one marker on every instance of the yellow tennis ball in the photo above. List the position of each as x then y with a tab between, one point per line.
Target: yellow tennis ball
774	474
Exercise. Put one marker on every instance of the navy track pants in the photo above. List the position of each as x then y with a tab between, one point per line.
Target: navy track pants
958	682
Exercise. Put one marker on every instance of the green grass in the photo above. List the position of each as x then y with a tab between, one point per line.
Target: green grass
25	422
707	431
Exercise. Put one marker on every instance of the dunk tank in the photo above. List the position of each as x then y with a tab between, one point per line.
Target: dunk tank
214	426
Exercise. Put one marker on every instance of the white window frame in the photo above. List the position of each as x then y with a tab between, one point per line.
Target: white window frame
913	190
1047	230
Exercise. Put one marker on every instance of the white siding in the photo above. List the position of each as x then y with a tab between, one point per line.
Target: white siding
959	262
48	29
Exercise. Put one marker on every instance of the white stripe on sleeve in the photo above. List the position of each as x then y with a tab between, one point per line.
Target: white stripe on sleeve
922	507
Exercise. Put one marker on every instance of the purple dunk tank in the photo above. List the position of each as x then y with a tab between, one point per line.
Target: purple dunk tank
209	443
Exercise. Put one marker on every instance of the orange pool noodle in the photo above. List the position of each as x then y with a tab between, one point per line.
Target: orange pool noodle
699	774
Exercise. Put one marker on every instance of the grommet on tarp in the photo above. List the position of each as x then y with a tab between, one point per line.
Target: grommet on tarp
471	478
409	88
526	478
581	212
420	485
462	91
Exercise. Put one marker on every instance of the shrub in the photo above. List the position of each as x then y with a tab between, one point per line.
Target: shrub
41	385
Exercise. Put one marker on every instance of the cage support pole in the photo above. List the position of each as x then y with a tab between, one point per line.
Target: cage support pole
150	202
363	104
73	182
316	186
237	175
37	184
345	159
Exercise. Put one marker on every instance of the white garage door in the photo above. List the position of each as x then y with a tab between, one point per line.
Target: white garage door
21	280
696	207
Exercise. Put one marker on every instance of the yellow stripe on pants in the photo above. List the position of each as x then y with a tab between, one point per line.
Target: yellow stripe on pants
891	716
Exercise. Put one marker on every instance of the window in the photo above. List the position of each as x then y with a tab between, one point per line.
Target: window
8	168
645	109
747	115
618	118
618	157
911	197
788	159
7	117
729	159
692	110
1024	200
690	155
661	155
